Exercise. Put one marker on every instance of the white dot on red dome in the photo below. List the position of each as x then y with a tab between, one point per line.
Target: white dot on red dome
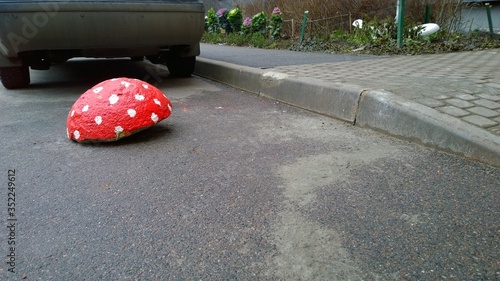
154	117
118	129
131	112
113	99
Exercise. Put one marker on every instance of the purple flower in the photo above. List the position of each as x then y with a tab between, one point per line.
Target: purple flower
221	12
247	21
276	11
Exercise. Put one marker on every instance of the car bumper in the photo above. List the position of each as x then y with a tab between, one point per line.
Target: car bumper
95	26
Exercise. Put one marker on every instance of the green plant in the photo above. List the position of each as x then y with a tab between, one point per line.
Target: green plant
371	31
235	19
276	23
375	37
246	27
339	36
212	22
223	21
259	23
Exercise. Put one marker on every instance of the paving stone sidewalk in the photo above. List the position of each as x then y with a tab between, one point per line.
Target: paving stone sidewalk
463	85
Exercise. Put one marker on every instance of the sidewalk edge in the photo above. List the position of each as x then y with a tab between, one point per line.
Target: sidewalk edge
397	116
283	88
375	109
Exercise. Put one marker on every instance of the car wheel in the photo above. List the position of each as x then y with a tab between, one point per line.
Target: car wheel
181	66
15	77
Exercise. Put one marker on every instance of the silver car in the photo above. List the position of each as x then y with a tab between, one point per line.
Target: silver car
38	34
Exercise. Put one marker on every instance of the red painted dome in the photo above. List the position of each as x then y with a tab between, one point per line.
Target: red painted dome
116	108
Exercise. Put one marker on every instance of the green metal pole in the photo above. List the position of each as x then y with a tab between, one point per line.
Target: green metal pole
427	18
304	22
490	21
401	24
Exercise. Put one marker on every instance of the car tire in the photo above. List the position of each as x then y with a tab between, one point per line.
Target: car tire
15	77
181	66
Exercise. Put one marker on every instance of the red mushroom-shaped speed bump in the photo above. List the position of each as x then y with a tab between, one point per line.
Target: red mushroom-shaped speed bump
116	108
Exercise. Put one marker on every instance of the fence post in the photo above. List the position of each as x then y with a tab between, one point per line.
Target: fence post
401	9
427	18
490	21
304	22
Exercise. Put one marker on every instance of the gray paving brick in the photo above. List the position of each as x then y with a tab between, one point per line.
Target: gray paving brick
495	130
487	103
459	103
467	97
468	92
453	111
485	112
430	102
442	97
480	121
490	97
494	85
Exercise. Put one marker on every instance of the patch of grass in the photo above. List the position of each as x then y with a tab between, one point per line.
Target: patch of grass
258	40
236	39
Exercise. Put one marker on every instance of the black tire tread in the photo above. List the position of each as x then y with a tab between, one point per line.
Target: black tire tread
181	66
15	77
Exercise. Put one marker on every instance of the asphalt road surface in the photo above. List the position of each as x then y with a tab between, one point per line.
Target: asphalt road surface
232	186
262	58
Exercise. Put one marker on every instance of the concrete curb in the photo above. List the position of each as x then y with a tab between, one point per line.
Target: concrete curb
397	116
278	86
375	109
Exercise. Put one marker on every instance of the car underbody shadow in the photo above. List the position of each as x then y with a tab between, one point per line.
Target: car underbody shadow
87	72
